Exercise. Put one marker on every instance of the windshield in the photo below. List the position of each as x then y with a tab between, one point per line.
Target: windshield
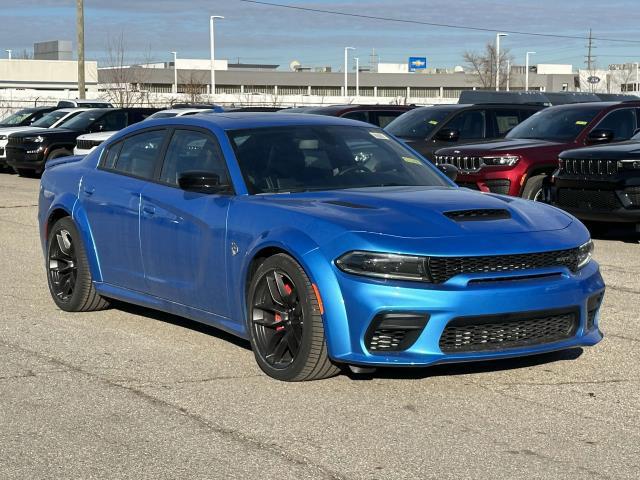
555	124
50	119
17	118
83	120
303	158
418	123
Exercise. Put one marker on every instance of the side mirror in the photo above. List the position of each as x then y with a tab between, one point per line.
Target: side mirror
600	136
448	135
201	182
449	170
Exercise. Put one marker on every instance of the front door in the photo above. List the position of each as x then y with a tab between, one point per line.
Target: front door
183	234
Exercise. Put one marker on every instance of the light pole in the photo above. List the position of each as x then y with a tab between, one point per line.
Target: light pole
357	77
526	70
175	72
213	57
637	64
346	69
508	73
498	35
9	52
80	34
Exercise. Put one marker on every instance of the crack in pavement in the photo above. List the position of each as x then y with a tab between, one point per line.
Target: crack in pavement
551	384
17	206
622	289
231	434
623	337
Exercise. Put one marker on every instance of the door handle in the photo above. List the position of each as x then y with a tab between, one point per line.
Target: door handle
148	209
88	191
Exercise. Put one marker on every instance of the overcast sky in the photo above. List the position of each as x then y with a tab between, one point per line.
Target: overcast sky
254	33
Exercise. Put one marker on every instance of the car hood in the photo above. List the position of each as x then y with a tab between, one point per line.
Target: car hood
506	145
10	130
616	151
46	132
421	212
97	136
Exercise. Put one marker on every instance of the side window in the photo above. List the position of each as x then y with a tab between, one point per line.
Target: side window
111	121
357	115
110	156
471	124
621	122
190	150
139	154
506	119
382	119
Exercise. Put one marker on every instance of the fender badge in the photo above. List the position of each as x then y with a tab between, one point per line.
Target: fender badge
234	249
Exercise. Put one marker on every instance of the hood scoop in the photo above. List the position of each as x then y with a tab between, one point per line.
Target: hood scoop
478	215
340	203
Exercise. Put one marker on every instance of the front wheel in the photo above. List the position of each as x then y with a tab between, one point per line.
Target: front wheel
285	323
68	273
533	188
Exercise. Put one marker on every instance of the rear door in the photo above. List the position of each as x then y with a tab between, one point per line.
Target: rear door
110	196
183	234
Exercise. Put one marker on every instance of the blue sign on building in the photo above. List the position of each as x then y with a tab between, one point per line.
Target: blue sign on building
417	63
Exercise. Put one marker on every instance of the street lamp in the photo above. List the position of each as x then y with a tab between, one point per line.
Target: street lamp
213	58
637	64
508	73
9	52
175	72
357	76
526	70
498	35
346	69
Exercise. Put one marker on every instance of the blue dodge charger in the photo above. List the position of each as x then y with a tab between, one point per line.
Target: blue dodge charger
325	242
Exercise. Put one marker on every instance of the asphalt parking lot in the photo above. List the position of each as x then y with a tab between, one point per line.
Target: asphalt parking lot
132	393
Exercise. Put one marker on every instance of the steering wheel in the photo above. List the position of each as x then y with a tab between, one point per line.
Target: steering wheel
354	168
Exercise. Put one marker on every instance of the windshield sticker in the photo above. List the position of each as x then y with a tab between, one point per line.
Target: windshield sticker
412	160
433	122
379	135
581	122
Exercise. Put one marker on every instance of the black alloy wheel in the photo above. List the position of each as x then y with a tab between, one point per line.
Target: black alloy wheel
68	272
285	322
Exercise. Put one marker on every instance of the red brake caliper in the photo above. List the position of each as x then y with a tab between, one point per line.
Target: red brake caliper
278	317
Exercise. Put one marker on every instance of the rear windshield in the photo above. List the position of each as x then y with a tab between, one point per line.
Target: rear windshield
418	123
555	124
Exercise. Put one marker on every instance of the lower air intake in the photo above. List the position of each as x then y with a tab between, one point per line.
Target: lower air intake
394	332
499	332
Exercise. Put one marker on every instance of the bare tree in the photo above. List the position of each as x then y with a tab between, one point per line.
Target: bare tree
195	86
122	81
24	54
483	65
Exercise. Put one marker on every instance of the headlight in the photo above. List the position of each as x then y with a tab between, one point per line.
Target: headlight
501	160
584	254
38	139
384	265
3	137
630	164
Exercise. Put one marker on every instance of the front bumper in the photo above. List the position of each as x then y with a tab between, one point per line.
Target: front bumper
596	200
501	180
29	156
365	298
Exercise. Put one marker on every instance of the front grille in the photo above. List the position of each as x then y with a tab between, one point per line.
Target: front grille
1	152
442	269
463	163
470	185
587	199
633	194
13	140
589	167
499	332
88	144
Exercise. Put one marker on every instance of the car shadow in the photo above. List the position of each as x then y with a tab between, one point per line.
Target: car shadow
611	231
181	322
453	369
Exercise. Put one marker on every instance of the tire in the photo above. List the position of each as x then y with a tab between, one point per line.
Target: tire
68	274
26	172
289	342
533	188
60	152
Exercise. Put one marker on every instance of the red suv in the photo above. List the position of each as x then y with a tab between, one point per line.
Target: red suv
518	164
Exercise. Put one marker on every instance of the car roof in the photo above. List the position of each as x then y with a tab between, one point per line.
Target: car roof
348	108
248	120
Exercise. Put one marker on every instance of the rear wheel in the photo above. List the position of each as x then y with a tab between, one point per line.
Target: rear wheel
533	188
60	152
68	273
287	333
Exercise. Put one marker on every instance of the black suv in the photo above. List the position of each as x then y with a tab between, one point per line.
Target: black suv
26	116
599	183
428	129
28	151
